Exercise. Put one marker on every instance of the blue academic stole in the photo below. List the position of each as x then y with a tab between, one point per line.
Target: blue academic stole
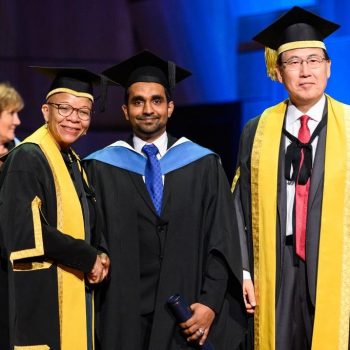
176	157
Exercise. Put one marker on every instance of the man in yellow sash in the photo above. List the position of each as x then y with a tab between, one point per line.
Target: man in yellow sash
291	192
50	238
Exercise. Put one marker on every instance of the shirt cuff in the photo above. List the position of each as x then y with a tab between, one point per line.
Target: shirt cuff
246	275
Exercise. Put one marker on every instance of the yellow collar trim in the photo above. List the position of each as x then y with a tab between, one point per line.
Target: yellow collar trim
71	284
332	310
264	172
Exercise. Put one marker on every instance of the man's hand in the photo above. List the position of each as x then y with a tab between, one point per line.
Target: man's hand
249	296
197	327
99	270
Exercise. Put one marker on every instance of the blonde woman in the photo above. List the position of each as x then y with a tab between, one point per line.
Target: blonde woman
11	103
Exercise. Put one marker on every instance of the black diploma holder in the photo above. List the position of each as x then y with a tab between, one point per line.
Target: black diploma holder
182	313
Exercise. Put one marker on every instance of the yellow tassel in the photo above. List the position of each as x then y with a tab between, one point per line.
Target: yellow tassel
271	62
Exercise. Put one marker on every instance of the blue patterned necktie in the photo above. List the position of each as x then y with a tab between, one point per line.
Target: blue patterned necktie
153	176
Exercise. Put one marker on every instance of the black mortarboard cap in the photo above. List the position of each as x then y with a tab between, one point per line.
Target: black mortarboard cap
297	27
76	81
146	67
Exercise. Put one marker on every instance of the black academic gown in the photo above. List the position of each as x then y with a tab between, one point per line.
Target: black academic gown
29	296
10	145
242	199
170	253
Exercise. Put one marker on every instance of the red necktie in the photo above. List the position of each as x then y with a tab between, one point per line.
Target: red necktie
301	195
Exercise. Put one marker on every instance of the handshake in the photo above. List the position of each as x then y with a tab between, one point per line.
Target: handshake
99	270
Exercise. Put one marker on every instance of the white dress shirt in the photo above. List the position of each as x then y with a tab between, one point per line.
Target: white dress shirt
161	143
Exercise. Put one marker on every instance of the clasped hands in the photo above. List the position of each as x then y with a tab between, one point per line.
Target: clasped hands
197	327
99	270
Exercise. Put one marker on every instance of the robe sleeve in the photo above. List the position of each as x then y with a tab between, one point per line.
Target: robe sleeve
241	227
25	226
224	258
215	283
242	193
67	250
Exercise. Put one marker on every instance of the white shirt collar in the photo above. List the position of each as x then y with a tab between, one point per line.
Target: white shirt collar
161	143
315	112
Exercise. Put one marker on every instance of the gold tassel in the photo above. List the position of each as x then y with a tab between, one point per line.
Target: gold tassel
271	62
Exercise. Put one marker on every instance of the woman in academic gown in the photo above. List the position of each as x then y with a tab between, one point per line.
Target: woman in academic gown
49	233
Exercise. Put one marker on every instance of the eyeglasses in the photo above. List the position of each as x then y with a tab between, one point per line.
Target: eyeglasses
65	110
313	62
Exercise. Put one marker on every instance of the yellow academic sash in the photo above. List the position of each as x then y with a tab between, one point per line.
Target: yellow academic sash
332	310
71	285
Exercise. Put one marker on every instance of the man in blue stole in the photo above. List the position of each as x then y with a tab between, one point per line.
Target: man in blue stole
167	209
